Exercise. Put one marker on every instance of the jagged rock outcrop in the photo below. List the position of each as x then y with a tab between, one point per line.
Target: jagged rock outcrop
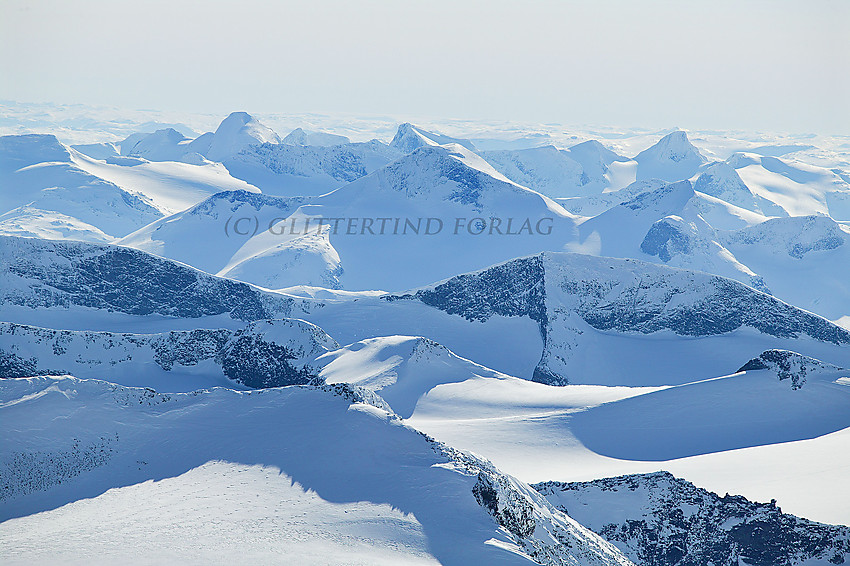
660	520
788	365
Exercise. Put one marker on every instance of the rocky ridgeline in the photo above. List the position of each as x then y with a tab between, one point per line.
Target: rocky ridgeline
660	520
269	353
46	273
625	296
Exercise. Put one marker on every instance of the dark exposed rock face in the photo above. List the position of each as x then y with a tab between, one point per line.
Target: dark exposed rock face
665	240
264	354
660	520
514	288
515	513
714	305
124	280
787	365
252	361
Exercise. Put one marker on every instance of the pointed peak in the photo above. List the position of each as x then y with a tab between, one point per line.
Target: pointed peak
234	121
409	137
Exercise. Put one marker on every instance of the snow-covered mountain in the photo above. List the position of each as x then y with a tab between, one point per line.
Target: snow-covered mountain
300	136
544	169
209	234
293	170
658	519
720	180
409	138
329	458
581	170
401	369
235	133
800	189
552	315
805	260
672	158
585	306
431	214
47	274
163	145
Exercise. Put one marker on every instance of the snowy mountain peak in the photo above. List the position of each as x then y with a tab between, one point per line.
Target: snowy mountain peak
409	138
235	133
163	145
593	150
401	369
672	158
235	120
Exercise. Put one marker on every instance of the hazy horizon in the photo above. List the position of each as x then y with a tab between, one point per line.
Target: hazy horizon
779	66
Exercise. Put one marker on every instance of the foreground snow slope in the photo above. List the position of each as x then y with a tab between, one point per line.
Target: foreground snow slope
340	467
758	434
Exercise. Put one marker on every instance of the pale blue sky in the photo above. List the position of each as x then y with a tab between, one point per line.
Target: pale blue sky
771	65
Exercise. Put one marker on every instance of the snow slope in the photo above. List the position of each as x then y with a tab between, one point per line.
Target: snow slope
401	369
581	432
798	188
163	145
720	180
209	234
333	464
168	186
43	189
755	408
